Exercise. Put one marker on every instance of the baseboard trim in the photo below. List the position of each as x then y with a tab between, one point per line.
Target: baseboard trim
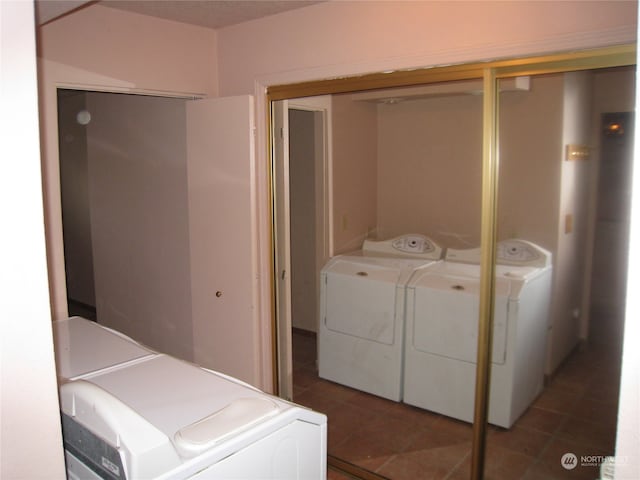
303	332
352	470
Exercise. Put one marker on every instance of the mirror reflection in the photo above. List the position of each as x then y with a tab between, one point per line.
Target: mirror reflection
394	377
568	176
392	152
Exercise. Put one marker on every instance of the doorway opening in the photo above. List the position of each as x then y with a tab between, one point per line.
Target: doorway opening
303	161
160	181
611	230
125	213
73	117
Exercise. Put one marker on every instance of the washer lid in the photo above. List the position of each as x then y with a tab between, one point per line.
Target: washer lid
446	268
434	280
172	394
511	272
368	269
396	270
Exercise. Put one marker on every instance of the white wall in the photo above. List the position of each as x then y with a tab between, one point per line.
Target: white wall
354	172
430	169
351	37
30	437
572	219
148	52
530	161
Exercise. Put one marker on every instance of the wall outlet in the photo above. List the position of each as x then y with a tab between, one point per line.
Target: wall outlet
568	223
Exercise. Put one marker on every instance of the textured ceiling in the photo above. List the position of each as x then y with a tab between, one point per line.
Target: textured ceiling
47	10
208	13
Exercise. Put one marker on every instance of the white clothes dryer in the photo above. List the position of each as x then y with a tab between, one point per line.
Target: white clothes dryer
442	332
156	417
83	347
362	299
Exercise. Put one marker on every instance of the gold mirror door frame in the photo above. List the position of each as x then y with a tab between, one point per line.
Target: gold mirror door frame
488	245
489	72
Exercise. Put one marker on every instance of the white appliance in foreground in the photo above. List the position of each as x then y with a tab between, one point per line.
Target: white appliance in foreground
442	332
362	298
83	348
157	417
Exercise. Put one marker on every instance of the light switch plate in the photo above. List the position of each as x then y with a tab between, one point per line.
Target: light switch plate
578	152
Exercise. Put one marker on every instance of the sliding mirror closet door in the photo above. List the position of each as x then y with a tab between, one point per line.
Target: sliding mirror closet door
392	358
410	167
560	269
529	118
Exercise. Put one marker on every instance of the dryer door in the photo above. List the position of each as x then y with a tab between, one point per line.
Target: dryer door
445	317
360	300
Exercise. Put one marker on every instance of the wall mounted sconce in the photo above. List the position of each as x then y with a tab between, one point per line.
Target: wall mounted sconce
83	117
614	129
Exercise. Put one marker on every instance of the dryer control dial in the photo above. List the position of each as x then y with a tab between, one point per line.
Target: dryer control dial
521	252
412	244
516	251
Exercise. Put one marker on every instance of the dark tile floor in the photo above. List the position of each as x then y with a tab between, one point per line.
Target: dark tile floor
576	413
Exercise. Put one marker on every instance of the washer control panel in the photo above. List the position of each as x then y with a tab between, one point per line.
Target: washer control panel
410	245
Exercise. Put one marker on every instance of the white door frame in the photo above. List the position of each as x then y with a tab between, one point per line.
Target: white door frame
324	224
324	172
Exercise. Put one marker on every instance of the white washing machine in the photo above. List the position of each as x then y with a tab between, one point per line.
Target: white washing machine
362	299
157	417
442	332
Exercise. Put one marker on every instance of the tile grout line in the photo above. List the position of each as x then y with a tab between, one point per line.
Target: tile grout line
462	460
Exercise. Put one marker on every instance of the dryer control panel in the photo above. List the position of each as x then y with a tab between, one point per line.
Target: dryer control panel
410	245
522	252
510	252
